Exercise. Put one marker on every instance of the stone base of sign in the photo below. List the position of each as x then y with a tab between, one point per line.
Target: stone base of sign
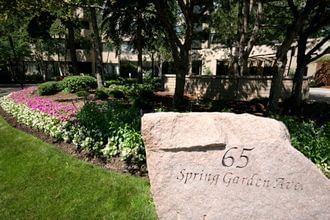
228	166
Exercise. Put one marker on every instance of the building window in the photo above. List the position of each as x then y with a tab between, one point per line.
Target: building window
222	68
168	68
196	67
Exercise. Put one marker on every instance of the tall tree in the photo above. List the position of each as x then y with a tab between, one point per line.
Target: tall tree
248	35
310	51
301	13
180	38
14	39
133	20
238	24
97	46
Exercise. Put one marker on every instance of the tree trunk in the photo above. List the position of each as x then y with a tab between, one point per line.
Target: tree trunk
72	47
119	61
181	66
244	70
179	85
18	73
244	25
97	44
160	66
300	18
281	60
296	95
297	86
238	45
235	65
139	48
276	87
152	64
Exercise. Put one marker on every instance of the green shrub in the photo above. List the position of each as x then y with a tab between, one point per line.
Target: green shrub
141	90
49	88
142	103
77	83
156	83
119	91
116	125
113	82
311	139
101	94
82	94
118	94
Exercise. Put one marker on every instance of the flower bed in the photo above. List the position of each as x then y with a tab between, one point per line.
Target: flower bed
62	112
60	121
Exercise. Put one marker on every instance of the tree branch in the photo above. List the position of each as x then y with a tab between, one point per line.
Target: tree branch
317	46
293	8
164	15
319	55
256	28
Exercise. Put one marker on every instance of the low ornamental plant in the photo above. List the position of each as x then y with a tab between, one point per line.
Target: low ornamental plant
311	139
117	126
108	130
63	112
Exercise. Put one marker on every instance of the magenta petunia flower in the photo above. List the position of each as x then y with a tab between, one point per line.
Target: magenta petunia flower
63	112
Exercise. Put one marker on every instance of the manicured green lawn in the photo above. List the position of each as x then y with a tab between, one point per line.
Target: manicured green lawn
37	181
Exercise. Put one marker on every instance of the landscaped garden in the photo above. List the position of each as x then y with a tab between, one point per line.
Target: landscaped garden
103	127
105	123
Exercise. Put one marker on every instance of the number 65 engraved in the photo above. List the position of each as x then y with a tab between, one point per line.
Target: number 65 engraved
228	161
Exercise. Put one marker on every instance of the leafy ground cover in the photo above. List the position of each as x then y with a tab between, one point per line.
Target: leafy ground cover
38	182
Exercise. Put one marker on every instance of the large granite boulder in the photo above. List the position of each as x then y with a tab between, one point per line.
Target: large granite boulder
229	166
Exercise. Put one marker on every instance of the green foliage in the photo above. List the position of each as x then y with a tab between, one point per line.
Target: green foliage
131	19
141	90
82	94
208	72
118	91
116	125
156	83
101	94
140	95
120	81
77	83
310	139
49	88
224	22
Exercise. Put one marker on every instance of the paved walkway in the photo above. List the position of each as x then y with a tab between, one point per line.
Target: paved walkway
319	95
5	89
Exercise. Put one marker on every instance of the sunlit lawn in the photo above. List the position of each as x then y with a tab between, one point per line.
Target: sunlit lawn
37	181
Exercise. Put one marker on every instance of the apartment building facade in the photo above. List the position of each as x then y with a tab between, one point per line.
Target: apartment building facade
208	57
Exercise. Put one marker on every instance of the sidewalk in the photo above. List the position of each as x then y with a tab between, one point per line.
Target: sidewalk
5	89
319	95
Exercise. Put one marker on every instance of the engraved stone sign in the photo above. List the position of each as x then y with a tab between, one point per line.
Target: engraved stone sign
228	166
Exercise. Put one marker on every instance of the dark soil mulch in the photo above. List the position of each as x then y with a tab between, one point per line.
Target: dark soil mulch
114	164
